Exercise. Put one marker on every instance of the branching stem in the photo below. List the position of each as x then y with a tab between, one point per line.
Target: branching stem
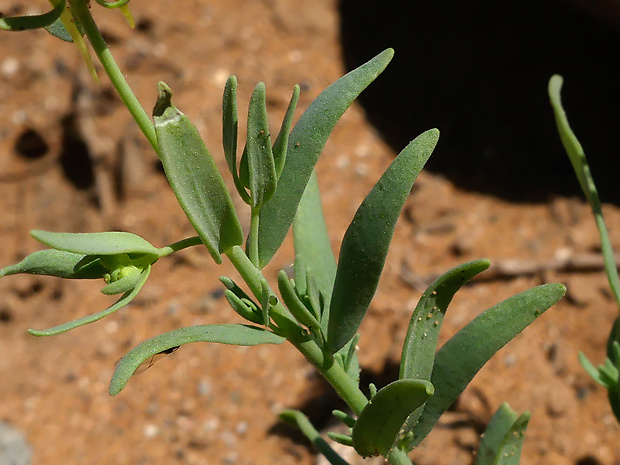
346	387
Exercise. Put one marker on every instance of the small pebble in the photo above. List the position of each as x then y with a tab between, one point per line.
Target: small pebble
14	449
9	66
241	428
510	360
150	431
204	387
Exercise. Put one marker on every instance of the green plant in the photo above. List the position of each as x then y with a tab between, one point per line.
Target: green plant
320	310
607	375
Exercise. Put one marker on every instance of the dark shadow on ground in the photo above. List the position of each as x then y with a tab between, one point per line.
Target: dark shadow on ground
478	71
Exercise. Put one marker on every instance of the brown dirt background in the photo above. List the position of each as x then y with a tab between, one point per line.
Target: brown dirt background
210	404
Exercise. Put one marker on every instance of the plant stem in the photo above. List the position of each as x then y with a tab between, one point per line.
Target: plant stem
302	422
398	457
81	13
344	385
180	245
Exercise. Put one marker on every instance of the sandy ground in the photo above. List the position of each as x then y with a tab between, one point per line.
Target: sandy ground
209	404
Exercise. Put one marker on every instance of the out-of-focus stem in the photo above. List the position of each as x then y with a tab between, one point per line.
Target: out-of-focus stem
81	13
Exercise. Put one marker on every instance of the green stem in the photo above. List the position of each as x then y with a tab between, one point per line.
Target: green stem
253	237
398	457
301	421
346	387
81	13
180	245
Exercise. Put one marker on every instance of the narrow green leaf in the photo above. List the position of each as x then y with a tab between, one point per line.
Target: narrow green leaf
458	361
582	171
281	143
367	240
305	144
58	263
194	178
244	173
240	335
344	417
379	423
265	301
340	438
244	307
120	303
261	166
230	129
591	370
509	452
295	305
615	352
298	419
494	434
350	362
571	144
233	287
314	296
102	243
418	354
313	252
230	123
22	23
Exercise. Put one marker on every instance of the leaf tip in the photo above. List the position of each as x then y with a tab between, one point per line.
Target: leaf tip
430	389
115	388
164	99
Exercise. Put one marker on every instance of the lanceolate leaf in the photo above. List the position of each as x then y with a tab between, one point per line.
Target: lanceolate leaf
582	171
261	167
230	124
59	263
494	434
458	361
379	423
281	143
305	144
313	253
120	303
230	129
421	341
194	178
103	243
240	335
418	355
509	452
366	242
295	305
